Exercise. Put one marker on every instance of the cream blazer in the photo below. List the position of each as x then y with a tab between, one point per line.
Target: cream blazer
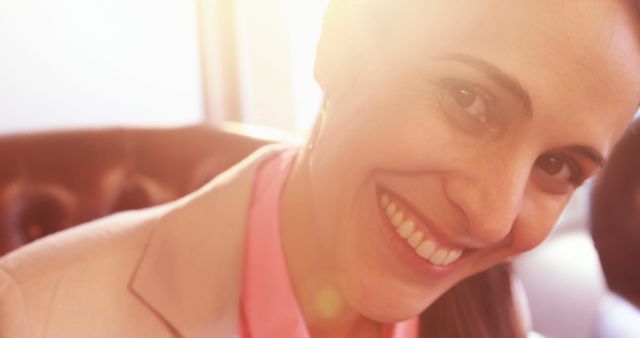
168	271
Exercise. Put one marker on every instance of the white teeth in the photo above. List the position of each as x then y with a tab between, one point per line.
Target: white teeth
397	219
384	200
406	229
439	257
415	238
453	256
391	209
426	249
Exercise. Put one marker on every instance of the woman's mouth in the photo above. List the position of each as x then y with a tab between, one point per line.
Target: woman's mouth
403	223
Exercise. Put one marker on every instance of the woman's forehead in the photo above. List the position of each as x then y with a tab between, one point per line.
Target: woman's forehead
580	51
577	22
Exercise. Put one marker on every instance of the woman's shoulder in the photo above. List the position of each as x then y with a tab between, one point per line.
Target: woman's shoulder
73	274
127	230
66	249
107	266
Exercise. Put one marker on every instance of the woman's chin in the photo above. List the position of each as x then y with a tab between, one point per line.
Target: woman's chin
388	312
385	304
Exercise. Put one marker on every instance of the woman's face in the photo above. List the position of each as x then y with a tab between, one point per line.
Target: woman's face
459	141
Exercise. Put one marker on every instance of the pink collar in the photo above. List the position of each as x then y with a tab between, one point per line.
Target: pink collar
268	306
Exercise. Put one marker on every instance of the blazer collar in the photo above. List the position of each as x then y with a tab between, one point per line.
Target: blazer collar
190	273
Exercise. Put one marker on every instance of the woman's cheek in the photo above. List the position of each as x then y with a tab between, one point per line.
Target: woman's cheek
536	220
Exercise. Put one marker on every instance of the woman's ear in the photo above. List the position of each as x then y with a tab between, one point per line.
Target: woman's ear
342	47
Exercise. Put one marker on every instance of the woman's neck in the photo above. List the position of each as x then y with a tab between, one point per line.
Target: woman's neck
310	265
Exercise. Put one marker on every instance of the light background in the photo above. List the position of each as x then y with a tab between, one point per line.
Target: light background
79	63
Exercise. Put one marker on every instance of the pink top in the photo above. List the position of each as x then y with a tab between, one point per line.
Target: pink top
269	307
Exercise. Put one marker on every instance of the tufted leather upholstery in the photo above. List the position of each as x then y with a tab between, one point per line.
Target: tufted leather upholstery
50	181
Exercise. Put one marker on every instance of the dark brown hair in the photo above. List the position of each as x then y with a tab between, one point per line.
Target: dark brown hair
481	306
615	216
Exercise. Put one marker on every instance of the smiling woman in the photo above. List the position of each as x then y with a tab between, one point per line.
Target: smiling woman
449	141
461	116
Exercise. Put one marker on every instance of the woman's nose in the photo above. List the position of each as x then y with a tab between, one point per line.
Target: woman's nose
490	197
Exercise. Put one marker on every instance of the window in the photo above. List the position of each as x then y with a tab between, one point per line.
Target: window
77	63
275	42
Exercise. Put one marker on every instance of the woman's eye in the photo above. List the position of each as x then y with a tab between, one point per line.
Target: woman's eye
560	170
468	106
470	101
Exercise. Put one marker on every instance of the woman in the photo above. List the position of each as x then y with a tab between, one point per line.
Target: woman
452	135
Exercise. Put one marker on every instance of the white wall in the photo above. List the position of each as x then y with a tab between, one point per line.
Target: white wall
71	63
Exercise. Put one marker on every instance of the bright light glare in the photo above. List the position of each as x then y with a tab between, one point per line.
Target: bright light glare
90	62
276	49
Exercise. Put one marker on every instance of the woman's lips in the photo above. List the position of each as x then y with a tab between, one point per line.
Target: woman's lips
407	226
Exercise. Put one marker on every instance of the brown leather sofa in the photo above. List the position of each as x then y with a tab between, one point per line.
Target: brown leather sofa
50	181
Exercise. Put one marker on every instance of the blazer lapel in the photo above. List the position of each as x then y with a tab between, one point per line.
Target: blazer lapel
190	273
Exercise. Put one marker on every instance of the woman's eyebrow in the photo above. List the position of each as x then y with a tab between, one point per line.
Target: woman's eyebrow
589	153
495	74
510	84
